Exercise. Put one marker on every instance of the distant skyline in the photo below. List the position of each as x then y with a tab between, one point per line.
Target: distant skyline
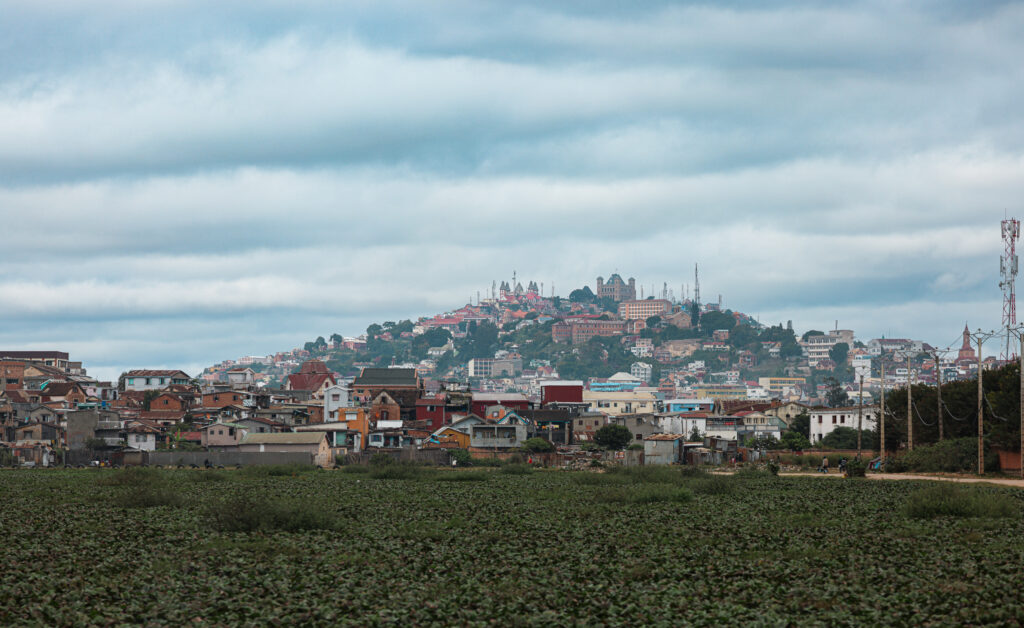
182	183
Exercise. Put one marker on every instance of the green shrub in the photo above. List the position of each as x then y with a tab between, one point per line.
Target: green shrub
380	459
517	469
537	445
646	494
947	500
249	514
149	497
951	455
773	467
856	468
712	485
461	457
355	468
276	470
487	462
399	471
208	476
462	476
133	476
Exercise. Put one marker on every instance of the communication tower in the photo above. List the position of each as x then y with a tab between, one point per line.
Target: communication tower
696	286
1008	277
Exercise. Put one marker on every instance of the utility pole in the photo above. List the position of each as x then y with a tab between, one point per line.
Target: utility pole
910	396
981	424
938	392
860	413
881	419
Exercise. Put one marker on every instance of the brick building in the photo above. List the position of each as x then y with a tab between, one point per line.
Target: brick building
642	310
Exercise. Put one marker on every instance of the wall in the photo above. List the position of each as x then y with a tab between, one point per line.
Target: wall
232	458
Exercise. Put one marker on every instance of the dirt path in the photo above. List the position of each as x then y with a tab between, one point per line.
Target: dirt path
1014	482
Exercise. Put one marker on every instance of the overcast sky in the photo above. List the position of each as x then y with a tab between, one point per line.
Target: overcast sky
184	182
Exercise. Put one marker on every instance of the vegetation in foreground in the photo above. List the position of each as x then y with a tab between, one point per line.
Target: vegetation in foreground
627	546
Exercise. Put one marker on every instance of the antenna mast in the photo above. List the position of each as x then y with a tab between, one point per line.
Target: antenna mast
696	286
1008	277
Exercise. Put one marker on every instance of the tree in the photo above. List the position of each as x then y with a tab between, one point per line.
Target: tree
695	434
801	424
711	321
374	330
320	343
537	445
653	321
613	437
836	396
811	332
582	295
148	397
838	353
846	438
337	339
792	439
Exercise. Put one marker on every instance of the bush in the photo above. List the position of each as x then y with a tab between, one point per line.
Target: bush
947	500
355	468
461	457
517	469
856	468
276	470
249	514
380	459
462	476
773	467
635	447
537	445
399	471
951	456
646	495
712	485
133	476
613	437
149	497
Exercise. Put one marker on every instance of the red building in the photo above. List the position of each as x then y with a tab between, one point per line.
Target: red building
512	401
561	392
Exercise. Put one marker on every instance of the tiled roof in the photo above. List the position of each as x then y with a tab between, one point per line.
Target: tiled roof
666	437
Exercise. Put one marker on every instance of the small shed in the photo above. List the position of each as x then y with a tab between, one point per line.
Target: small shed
664	449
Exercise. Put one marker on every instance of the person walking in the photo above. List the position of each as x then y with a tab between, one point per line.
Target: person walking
824	464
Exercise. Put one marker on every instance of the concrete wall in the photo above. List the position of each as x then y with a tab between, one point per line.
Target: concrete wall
232	458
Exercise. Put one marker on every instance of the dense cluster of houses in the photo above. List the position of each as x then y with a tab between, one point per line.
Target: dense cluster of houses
52	413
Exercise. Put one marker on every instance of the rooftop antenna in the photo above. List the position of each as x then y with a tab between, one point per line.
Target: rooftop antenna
696	286
1008	275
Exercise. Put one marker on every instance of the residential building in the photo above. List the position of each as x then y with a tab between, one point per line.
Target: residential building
662	449
642	371
313	376
825	420
313	443
580	331
625	402
143	380
818	347
642	310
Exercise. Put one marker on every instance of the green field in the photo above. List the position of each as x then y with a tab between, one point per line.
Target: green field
98	546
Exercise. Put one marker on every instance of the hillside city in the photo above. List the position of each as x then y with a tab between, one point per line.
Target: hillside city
517	371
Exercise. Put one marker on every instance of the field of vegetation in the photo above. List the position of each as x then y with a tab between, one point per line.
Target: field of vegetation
414	546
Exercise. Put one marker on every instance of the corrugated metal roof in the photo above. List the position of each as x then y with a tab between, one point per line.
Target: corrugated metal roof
665	437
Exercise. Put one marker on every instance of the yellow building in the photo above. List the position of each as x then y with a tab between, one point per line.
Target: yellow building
620	402
720	392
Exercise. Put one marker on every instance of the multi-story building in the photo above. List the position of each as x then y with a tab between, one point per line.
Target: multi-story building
642	310
779	386
580	331
616	288
493	367
818	347
642	370
152	379
615	403
56	359
825	420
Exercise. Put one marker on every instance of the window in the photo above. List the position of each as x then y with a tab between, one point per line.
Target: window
639	436
231	431
335	397
819	420
833	419
220	432
842	419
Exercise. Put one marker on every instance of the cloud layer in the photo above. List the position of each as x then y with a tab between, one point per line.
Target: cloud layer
250	175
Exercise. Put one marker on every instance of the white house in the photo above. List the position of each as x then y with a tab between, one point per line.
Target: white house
824	420
335	398
153	379
642	371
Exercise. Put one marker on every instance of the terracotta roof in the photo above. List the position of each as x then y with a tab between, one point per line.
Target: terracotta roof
309	381
666	437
